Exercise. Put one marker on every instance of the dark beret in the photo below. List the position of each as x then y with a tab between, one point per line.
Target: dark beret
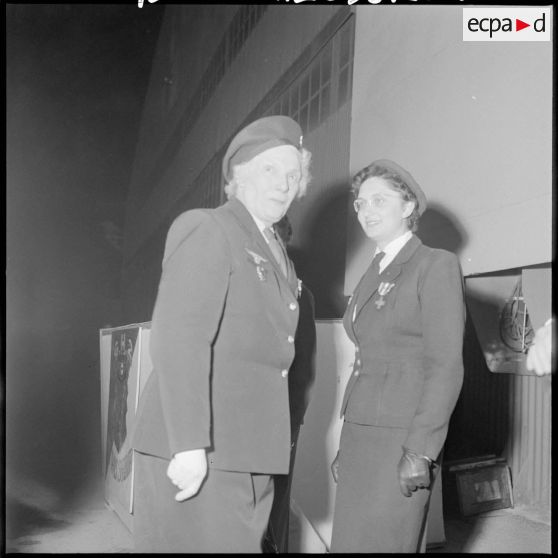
262	134
407	178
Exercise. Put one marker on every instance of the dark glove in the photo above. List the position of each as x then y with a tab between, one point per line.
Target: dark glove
414	472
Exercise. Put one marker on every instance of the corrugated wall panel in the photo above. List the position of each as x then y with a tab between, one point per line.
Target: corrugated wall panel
528	450
507	415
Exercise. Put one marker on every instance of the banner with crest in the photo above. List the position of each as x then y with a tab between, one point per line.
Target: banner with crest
125	366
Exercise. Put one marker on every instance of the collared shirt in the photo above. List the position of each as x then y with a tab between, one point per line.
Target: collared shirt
261	226
392	249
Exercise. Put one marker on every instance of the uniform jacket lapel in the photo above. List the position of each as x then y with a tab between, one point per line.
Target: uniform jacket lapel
256	240
405	254
370	282
286	290
262	247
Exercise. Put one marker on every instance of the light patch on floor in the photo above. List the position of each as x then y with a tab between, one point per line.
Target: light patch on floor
508	531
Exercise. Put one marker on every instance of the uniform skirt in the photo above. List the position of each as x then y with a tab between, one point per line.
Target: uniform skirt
371	514
229	514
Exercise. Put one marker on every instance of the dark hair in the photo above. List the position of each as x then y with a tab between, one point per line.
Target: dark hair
395	182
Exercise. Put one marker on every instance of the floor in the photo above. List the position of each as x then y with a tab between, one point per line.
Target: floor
94	528
521	529
507	531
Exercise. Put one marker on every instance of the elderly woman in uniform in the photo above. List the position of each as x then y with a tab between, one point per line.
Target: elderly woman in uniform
406	319
213	422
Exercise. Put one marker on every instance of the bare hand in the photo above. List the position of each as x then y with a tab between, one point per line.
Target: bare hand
335	467
187	470
539	357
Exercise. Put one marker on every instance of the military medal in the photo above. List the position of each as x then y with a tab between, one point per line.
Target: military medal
383	290
258	261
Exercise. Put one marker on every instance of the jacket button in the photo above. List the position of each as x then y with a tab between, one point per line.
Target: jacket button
358	362
292	306
284	373
290	339
357	372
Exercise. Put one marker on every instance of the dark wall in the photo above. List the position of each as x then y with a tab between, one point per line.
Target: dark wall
75	82
480	422
140	279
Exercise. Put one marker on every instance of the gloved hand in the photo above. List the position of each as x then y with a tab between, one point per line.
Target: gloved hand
187	470
413	471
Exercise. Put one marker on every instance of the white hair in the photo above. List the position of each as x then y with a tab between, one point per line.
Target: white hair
241	169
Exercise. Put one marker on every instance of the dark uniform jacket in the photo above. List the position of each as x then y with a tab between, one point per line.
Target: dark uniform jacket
222	343
408	367
303	369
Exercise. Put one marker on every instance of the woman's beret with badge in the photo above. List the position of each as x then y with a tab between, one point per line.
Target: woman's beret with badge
257	137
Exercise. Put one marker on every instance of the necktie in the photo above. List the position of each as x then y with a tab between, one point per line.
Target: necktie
276	249
375	269
370	276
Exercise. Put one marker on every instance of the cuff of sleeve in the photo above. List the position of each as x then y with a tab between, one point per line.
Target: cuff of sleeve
431	461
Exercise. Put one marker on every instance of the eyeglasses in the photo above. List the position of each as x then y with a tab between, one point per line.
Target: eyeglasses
377	201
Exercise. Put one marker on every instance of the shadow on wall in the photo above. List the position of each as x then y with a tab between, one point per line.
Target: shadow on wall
319	251
439	228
